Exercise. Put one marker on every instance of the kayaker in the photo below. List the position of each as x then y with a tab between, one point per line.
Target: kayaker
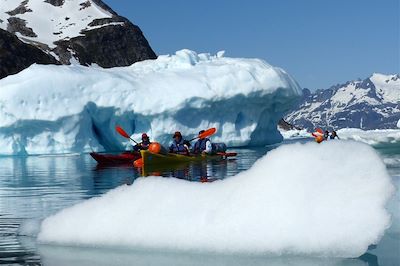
334	135
144	145
202	145
179	145
326	135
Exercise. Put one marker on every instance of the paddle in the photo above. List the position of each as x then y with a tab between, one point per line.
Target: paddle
205	134
123	133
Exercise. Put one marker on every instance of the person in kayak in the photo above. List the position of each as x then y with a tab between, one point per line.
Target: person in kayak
326	135
202	145
179	145
144	145
334	135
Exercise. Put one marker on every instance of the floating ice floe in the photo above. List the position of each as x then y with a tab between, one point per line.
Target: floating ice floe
311	199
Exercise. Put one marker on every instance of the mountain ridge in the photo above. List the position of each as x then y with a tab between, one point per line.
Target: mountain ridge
76	31
372	103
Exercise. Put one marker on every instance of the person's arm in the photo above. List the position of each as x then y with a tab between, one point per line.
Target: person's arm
137	147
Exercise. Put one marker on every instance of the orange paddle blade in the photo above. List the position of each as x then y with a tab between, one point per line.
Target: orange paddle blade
208	132
122	132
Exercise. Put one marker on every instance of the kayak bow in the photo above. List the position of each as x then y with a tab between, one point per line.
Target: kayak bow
122	158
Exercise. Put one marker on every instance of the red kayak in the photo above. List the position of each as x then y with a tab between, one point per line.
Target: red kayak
122	158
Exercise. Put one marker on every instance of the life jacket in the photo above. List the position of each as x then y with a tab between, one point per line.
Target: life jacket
177	147
145	144
200	145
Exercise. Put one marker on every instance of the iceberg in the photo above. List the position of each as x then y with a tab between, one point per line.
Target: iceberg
371	137
374	137
294	133
69	109
301	199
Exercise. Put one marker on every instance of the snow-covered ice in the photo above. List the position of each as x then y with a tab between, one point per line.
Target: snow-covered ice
316	199
372	137
64	109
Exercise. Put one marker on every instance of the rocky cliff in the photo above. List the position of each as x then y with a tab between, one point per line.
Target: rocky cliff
65	32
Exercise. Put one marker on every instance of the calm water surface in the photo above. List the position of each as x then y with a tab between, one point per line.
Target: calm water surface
32	188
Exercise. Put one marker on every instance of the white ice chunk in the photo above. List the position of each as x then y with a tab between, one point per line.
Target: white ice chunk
317	199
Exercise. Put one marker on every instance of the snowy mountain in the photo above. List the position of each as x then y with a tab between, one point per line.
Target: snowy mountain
373	103
63	109
88	32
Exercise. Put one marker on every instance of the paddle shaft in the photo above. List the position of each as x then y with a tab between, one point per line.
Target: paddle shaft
133	140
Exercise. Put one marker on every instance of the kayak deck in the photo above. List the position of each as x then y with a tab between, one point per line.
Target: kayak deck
122	158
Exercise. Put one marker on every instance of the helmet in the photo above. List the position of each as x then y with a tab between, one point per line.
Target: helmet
144	136
177	134
201	131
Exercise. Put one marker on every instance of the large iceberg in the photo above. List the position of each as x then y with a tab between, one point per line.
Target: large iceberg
63	109
316	199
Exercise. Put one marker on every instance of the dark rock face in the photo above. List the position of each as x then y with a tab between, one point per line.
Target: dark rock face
16	55
55	2
21	9
286	126
120	43
108	46
19	25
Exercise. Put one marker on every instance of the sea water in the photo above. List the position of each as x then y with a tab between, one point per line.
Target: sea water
32	188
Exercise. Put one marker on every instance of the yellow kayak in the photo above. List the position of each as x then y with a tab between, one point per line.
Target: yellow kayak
149	158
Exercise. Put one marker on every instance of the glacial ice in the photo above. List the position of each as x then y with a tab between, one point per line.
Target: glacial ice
69	109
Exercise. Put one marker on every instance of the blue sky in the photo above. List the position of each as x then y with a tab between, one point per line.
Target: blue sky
320	43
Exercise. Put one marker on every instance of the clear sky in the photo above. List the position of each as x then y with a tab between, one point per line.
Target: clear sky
319	42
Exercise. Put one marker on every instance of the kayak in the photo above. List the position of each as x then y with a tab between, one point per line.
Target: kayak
158	170
149	158
121	158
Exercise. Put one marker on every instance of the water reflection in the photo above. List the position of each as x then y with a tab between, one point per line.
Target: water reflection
52	255
203	171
